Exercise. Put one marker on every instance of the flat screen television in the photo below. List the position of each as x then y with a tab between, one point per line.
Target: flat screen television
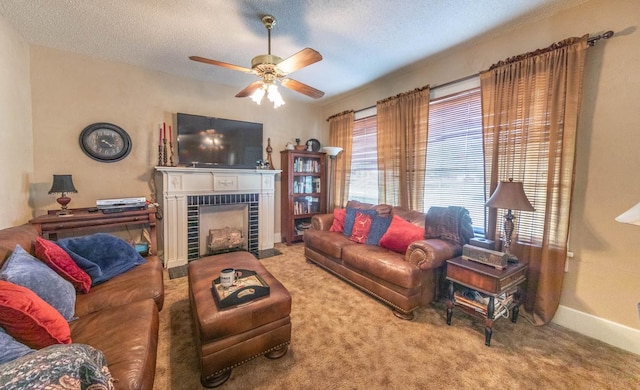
218	143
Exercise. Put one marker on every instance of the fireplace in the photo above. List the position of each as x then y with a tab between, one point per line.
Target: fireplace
205	212
184	193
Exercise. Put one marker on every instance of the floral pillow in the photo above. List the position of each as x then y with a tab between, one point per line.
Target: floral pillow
72	366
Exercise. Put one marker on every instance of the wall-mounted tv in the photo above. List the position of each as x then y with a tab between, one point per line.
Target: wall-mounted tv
218	143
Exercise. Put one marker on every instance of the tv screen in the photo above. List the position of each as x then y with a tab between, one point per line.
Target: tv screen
218	143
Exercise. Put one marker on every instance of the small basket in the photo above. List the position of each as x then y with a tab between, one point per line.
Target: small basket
300	147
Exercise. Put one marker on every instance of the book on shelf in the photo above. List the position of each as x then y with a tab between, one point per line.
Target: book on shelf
478	302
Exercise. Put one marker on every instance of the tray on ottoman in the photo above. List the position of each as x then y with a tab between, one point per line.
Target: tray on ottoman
248	286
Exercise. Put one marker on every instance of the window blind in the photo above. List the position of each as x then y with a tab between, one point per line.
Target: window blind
363	182
455	162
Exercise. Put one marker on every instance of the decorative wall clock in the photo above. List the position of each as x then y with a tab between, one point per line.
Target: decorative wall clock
105	142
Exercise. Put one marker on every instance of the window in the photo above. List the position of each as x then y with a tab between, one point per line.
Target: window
455	162
363	182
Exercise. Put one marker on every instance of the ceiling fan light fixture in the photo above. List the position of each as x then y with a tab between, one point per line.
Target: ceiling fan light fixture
274	95
257	95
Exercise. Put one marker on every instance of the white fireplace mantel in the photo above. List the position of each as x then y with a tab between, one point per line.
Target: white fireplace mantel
178	183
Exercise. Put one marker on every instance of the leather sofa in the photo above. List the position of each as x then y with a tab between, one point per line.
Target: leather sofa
119	317
404	281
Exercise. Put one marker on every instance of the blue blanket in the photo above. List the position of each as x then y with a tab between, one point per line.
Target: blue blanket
101	255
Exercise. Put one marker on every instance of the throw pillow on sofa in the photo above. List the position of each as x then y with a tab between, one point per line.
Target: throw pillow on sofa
75	366
361	227
400	235
379	226
350	219
29	319
11	348
60	261
339	216
25	270
101	255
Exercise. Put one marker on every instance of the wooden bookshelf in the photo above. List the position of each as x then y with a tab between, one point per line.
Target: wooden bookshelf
303	191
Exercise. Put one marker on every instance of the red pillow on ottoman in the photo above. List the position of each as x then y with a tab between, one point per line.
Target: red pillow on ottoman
59	260
338	220
400	235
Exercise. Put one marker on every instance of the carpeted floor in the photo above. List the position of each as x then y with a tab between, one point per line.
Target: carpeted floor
344	339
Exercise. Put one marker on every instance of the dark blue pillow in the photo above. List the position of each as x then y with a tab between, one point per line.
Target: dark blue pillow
350	218
101	255
25	270
379	226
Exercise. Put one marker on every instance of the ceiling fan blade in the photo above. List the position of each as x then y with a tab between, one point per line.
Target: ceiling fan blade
222	64
299	60
249	89
302	88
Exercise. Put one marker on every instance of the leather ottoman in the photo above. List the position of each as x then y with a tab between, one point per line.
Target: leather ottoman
229	337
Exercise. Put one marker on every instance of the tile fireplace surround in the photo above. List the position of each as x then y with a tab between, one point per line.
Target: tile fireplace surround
181	190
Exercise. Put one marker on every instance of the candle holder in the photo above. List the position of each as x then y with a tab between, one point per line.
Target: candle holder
171	162
160	155
164	152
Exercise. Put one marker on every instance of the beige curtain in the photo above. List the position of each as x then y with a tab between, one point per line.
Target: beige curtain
340	134
402	129
530	107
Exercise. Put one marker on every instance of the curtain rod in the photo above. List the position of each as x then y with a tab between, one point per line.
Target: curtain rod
590	41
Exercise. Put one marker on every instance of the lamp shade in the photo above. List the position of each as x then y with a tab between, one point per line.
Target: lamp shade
332	151
631	216
61	184
510	195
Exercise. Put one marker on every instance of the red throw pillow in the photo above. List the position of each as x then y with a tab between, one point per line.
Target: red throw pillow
59	260
361	227
338	220
29	319
400	235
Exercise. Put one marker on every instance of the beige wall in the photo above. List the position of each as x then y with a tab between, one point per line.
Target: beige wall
71	91
604	276
16	157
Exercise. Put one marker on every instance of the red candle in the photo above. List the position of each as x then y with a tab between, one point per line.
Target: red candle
164	130
160	136
170	134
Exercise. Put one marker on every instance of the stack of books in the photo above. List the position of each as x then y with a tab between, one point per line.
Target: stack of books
478	302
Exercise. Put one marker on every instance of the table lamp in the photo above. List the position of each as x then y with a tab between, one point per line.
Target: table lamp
332	152
631	216
509	195
62	184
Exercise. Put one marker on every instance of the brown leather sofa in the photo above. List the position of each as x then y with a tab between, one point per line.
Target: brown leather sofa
404	281
118	317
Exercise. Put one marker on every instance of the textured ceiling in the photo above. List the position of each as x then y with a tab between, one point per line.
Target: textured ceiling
360	40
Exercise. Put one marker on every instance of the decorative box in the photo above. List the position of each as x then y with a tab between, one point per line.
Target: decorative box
485	256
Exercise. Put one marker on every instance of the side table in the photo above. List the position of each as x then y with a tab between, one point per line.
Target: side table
49	225
499	290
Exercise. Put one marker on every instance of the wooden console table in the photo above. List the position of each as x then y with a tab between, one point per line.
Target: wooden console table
49	225
500	289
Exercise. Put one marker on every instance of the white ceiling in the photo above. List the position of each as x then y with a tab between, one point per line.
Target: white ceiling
360	40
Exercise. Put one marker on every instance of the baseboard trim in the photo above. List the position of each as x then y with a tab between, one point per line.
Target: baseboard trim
610	332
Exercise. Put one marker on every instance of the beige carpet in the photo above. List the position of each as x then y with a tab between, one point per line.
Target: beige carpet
344	339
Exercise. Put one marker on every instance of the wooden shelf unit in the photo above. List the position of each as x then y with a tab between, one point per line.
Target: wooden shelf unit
303	191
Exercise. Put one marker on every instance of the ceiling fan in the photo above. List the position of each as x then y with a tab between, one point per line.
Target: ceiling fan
272	69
